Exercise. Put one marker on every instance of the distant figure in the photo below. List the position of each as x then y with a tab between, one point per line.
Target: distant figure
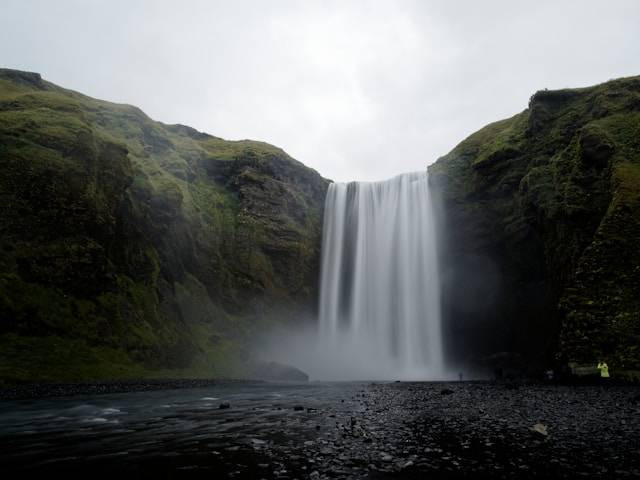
604	369
460	376
549	374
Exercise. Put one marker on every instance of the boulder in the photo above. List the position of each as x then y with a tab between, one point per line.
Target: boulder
277	372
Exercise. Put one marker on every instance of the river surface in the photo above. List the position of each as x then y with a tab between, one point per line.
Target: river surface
329	430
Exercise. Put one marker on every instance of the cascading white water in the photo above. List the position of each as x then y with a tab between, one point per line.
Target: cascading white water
379	293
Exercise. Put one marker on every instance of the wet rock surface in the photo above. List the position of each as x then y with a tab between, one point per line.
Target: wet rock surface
45	390
352	430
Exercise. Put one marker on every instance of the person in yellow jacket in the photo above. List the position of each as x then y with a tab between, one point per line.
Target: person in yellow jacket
604	369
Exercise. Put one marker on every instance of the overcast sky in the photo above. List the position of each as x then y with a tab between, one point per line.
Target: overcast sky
358	90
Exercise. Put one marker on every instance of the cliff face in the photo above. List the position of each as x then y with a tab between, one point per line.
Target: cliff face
132	248
541	231
129	247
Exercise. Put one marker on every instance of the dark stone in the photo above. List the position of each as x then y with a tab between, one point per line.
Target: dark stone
277	372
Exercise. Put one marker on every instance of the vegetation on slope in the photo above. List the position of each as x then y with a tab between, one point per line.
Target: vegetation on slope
543	214
133	248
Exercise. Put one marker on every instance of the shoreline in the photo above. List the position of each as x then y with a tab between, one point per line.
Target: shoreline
41	390
402	430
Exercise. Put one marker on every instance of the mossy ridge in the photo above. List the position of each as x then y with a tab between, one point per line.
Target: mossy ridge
550	196
116	228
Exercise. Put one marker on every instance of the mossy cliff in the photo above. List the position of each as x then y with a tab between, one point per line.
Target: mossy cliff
541	236
133	248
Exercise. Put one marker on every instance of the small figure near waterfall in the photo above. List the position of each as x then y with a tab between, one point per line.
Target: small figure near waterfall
604	369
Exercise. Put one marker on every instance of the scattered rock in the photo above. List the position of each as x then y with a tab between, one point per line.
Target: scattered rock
540	429
409	431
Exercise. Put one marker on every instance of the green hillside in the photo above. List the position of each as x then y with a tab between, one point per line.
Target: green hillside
131	248
546	205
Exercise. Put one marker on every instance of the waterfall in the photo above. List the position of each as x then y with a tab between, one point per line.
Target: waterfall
379	293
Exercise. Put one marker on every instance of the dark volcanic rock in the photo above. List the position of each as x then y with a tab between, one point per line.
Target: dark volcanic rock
403	431
277	372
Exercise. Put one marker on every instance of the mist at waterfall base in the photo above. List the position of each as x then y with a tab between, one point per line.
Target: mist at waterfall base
379	305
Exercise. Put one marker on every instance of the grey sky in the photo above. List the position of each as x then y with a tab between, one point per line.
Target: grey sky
359	90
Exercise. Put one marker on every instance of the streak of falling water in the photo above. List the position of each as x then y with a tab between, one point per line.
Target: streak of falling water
379	294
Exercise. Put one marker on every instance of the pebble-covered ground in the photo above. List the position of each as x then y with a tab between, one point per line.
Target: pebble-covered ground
352	430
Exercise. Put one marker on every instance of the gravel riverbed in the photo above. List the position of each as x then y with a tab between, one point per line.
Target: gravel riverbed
332	430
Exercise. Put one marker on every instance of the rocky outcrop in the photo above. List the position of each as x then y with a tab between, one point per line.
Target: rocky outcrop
133	248
276	372
541	231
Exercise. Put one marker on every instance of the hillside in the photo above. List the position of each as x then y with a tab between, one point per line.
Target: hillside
131	248
541	237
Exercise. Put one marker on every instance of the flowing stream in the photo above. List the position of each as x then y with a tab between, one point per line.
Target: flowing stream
379	294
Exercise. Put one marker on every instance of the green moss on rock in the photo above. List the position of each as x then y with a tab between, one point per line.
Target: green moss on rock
151	249
543	215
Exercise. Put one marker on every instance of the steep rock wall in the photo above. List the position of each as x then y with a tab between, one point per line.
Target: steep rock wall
541	231
133	248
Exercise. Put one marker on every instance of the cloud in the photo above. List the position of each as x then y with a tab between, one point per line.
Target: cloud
356	89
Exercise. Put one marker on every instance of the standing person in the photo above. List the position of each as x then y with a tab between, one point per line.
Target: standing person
604	369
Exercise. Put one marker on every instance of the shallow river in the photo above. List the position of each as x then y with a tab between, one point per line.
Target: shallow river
336	430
